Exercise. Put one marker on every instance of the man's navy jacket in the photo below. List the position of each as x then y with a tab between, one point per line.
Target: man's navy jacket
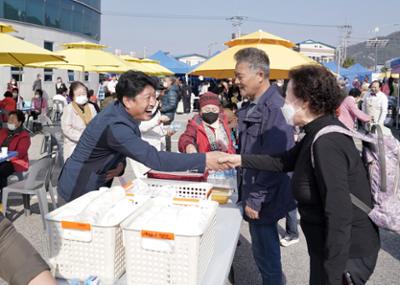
109	138
263	130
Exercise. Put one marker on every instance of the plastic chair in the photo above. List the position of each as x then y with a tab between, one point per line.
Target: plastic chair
25	197
53	141
34	184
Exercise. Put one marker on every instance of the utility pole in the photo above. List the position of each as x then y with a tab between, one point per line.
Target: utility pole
237	22
343	44
347	29
341	50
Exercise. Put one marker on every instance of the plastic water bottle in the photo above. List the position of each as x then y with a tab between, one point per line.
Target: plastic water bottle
74	282
176	126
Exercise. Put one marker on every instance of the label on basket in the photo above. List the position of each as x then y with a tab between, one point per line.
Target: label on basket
186	200
75	226
157	235
128	185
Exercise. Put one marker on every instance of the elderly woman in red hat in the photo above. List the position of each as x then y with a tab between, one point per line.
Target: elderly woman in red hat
207	131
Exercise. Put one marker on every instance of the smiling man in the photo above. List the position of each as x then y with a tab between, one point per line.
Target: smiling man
266	196
114	135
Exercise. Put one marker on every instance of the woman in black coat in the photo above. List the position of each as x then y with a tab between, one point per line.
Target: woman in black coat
343	243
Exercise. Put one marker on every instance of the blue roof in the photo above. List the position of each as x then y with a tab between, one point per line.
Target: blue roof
170	62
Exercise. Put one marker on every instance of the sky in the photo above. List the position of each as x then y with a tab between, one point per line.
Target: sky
185	27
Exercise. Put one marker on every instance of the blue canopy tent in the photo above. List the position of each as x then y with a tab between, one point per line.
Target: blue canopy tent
171	63
333	66
394	65
357	71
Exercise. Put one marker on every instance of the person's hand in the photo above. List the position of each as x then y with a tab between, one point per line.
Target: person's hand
191	149
170	133
212	161
252	214
114	172
164	119
231	160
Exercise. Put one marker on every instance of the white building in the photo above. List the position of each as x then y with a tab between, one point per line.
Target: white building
191	59
317	51
49	24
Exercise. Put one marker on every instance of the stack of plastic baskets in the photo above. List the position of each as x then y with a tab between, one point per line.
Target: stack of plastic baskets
169	244
79	250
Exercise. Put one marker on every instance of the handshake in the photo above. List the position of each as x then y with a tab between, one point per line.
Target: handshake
217	160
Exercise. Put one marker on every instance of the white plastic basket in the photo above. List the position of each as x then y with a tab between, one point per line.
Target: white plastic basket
175	188
171	253
79	250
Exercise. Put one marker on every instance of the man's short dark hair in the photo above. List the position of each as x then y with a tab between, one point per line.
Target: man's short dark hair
20	115
256	58
376	81
131	83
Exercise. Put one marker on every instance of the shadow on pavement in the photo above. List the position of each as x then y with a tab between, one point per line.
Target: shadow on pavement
390	242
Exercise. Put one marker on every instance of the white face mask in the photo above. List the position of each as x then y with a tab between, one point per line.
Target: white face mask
288	112
11	127
81	100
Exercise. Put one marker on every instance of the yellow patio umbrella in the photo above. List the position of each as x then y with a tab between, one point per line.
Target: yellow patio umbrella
17	52
282	57
90	57
147	66
154	64
136	64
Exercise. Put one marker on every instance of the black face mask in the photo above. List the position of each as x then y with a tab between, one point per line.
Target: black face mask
210	117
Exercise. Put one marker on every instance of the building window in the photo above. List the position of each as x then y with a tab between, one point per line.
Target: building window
48	45
69	15
52	13
48	74
35	12
78	18
71	75
16	73
66	16
86	76
14	9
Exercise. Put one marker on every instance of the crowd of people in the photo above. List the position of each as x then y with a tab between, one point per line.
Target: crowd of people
264	128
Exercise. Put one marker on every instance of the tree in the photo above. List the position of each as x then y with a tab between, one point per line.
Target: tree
348	62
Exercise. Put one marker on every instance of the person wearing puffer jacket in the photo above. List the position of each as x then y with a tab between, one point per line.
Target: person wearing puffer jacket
169	103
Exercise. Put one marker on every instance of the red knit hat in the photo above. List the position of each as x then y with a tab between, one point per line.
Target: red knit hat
209	98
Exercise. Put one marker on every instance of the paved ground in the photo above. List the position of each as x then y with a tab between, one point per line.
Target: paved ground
294	259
